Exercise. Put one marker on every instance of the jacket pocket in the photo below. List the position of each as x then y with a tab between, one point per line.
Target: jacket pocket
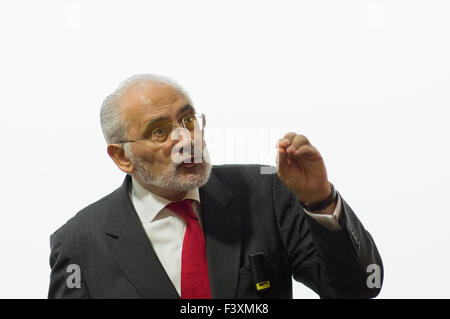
276	282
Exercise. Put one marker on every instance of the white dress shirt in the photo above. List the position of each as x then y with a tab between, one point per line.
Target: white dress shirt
165	229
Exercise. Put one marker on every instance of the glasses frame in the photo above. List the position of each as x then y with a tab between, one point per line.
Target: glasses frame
180	123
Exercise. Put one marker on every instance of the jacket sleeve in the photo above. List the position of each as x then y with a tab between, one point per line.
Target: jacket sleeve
66	278
335	264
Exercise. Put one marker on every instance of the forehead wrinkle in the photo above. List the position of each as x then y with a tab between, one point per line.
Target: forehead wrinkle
162	101
142	100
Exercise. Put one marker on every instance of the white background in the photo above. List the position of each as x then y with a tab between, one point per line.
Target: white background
366	81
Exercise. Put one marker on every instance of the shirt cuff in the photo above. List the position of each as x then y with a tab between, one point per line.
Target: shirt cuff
329	221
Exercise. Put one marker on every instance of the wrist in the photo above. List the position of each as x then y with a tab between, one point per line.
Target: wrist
329	210
316	195
325	203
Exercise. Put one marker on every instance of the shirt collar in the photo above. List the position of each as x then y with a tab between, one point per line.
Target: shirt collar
148	204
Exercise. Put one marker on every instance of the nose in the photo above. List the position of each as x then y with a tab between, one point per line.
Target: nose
181	144
181	139
179	131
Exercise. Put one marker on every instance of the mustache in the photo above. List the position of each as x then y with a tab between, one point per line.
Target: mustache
188	153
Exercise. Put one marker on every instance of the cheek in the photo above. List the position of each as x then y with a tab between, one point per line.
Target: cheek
163	156
148	155
165	153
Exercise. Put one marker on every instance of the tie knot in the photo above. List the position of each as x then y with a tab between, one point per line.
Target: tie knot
183	209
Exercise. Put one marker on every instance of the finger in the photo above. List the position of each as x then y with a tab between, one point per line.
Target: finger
282	158
304	149
298	141
287	139
307	152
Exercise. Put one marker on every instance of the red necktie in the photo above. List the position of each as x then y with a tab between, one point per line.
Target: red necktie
194	267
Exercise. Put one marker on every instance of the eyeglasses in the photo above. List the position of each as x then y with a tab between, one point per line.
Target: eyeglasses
160	131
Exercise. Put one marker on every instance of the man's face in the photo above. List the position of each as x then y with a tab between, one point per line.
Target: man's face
145	106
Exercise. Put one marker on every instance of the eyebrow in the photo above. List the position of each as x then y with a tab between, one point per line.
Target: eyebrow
184	109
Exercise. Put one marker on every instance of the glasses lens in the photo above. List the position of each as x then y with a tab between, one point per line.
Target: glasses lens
191	122
161	131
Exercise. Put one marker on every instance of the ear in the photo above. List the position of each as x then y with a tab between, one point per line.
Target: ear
117	154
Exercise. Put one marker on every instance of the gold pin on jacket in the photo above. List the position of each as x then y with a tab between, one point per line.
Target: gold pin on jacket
263	285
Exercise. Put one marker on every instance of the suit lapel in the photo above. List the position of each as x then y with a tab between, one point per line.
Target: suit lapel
132	250
138	261
222	229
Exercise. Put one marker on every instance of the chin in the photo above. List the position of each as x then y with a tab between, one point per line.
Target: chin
189	177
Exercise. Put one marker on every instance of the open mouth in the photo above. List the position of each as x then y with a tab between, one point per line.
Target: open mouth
188	164
191	161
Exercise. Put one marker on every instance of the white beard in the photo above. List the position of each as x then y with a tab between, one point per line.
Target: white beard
177	177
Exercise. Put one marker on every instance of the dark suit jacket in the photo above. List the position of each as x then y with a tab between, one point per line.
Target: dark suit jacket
243	212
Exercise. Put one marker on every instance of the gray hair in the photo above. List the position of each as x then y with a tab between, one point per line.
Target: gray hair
114	125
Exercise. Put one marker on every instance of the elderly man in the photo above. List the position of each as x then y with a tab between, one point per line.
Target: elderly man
180	227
